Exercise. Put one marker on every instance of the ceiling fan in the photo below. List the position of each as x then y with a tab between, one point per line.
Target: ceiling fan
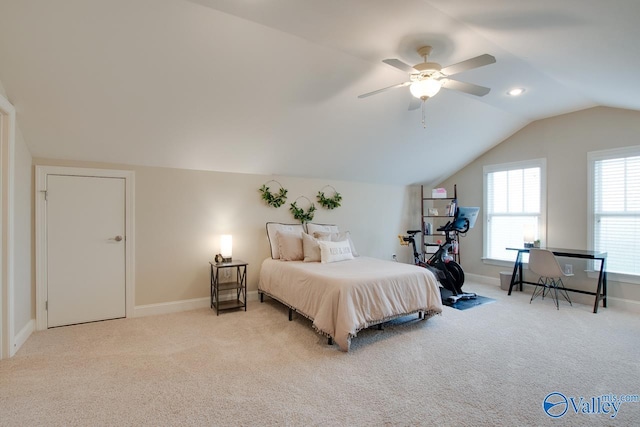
427	78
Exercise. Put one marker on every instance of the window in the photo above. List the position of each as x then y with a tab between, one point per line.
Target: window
514	204
614	223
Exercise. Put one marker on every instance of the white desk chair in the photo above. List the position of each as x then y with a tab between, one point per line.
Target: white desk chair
544	263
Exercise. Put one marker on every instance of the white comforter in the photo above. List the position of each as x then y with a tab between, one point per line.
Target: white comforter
344	297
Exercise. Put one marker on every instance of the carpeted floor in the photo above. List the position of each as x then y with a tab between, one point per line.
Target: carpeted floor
489	366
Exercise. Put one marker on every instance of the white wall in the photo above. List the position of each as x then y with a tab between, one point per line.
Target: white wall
564	141
180	215
22	256
24	285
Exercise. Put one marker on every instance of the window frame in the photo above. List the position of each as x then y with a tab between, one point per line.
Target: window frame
542	218
592	158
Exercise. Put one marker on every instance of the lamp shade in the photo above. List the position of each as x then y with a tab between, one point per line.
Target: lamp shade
425	88
226	242
528	233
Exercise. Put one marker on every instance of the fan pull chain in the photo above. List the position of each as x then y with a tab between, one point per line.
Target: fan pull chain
424	124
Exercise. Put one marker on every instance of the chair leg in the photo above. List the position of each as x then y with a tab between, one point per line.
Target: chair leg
564	292
539	290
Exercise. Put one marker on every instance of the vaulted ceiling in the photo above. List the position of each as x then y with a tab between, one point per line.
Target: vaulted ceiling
271	86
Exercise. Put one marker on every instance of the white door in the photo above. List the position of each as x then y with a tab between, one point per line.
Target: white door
85	249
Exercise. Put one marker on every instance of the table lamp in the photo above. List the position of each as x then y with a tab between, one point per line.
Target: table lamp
528	236
225	247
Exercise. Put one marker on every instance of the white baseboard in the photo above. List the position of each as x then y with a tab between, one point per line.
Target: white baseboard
183	305
483	280
22	336
623	304
171	307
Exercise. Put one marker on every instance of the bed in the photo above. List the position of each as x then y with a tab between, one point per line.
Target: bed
345	296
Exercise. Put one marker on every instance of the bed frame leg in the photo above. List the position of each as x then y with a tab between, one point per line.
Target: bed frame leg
261	297
330	341
290	314
419	315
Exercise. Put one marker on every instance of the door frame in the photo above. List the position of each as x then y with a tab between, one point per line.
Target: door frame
41	233
7	165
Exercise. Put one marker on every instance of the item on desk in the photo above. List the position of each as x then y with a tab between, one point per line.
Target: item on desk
528	235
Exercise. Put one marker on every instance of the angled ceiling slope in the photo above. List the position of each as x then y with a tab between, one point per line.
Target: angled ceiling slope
272	87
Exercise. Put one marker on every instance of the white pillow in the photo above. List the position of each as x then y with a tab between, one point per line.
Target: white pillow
335	251
324	228
310	247
337	237
272	227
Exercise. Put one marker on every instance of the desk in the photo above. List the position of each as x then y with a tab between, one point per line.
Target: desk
601	292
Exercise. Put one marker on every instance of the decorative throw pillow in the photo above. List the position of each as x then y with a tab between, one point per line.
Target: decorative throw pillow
273	227
323	228
335	251
290	246
338	237
311	248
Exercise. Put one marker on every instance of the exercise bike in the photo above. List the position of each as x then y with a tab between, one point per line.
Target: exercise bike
441	263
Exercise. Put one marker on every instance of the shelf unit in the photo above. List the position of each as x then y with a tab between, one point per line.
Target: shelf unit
237	288
444	214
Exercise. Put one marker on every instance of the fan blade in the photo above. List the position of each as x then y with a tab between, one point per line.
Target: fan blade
414	104
400	65
469	88
364	95
478	61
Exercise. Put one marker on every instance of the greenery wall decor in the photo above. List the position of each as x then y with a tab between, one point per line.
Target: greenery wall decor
329	202
299	213
271	199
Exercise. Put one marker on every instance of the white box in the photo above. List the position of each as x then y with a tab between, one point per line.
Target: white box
439	193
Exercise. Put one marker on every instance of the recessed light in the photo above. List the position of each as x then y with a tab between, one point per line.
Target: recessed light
515	91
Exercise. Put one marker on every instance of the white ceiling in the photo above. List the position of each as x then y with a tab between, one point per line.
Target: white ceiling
271	86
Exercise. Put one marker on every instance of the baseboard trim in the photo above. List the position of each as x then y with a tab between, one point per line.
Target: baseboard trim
171	307
22	336
483	280
183	305
623	304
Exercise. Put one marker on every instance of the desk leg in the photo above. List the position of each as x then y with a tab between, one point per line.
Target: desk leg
517	266
602	287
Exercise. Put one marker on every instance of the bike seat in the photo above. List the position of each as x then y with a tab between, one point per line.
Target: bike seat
413	232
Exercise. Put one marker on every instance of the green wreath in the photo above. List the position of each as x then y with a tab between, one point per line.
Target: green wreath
300	214
329	202
273	200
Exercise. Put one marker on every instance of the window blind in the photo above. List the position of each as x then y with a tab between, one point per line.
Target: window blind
513	203
616	212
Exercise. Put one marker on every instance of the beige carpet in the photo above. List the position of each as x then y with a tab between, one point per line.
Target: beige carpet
489	365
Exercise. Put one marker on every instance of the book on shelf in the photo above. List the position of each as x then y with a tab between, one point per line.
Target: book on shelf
452	207
427	228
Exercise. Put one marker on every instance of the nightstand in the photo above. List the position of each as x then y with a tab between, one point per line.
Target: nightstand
237	289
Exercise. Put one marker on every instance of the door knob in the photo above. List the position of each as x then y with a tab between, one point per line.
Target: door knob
117	238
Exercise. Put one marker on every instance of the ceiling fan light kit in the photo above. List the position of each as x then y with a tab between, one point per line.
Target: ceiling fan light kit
425	89
427	78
